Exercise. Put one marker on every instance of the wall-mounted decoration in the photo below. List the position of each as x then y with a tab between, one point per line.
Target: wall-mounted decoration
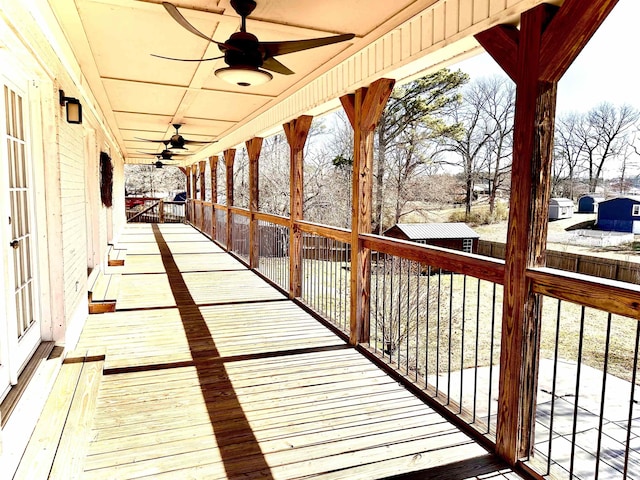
106	179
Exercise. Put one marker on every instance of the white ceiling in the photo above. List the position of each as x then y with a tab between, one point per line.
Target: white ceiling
142	96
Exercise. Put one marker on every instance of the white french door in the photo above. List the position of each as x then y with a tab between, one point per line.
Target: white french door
20	325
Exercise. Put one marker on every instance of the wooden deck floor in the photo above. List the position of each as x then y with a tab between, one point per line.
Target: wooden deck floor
212	373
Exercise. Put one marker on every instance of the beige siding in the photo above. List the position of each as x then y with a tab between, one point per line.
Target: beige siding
74	228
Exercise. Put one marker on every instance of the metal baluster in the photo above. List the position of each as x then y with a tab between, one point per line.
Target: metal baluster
554	384
438	332
493	326
631	403
450	337
475	369
426	333
602	396
577	394
418	279
464	309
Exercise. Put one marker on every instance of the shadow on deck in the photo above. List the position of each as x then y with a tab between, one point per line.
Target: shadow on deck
211	373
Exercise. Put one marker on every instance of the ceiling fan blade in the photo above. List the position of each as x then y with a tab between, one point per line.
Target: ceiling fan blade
196	142
177	16
157	153
187	59
148	140
274	65
281	48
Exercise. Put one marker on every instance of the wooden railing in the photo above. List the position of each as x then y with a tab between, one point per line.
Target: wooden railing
435	316
158	211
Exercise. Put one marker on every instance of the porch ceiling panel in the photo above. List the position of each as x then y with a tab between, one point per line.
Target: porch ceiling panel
147	98
226	106
142	96
123	40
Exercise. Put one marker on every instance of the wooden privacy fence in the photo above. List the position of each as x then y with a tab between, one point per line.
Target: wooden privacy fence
573	262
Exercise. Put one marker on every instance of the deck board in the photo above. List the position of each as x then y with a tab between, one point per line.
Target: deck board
212	373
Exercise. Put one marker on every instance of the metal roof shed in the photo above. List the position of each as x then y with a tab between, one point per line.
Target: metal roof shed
456	236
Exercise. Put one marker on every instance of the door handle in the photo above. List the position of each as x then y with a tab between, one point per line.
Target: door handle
14	244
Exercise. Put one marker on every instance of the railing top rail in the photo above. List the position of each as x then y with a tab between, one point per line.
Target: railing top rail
240	211
478	266
270	217
335	233
612	296
142	212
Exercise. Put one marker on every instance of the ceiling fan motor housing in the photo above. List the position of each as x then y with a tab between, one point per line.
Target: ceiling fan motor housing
246	52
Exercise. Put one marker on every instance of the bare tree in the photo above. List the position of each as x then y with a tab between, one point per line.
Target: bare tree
147	180
483	141
413	118
606	134
569	151
499	108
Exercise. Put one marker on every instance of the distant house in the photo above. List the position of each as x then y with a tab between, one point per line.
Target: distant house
560	208
456	236
620	214
589	203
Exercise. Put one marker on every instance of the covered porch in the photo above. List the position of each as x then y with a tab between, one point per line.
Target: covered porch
285	359
209	371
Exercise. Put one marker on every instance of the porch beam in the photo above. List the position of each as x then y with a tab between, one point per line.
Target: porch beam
296	131
254	146
213	170
229	158
363	110
526	56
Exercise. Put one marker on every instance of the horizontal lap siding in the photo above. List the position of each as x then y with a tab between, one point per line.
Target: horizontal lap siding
74	228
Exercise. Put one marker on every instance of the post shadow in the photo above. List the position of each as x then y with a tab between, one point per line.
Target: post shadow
238	444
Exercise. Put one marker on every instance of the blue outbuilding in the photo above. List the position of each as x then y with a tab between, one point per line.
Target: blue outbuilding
620	214
589	203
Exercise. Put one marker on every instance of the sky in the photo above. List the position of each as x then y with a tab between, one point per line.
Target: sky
608	69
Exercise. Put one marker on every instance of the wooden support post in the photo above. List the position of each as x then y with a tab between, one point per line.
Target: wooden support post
535	57
363	109
161	211
187	210
253	152
203	185
203	191
194	193
296	132
229	157
213	168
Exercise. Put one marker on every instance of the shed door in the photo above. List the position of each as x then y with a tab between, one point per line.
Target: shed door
19	327
636	227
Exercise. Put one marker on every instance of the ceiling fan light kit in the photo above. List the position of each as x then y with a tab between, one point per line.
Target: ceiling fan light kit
243	76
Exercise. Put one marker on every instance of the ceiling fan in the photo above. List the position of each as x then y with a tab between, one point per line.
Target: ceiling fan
160	164
247	57
176	141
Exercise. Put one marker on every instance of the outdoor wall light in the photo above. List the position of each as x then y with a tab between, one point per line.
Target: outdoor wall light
74	108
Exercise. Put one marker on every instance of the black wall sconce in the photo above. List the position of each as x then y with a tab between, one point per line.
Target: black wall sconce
74	108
